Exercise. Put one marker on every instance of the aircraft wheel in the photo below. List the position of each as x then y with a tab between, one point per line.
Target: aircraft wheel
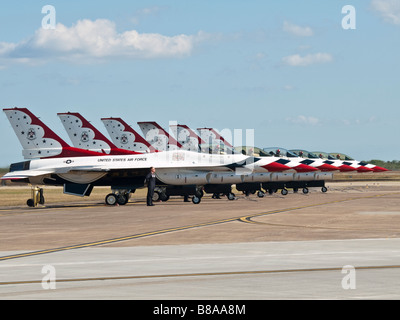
196	200
231	196
260	194
305	190
270	191
156	196
30	203
111	199
284	192
122	199
324	189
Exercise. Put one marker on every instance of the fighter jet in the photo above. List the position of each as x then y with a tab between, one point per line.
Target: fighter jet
54	162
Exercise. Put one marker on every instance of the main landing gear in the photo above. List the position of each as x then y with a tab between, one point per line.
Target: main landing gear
120	197
37	197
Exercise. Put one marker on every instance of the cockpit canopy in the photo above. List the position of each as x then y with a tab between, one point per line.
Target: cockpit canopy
341	156
279	152
250	151
304	154
216	148
324	155
332	156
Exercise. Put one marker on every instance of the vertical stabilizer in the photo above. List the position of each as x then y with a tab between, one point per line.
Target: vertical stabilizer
211	136
187	137
158	137
124	137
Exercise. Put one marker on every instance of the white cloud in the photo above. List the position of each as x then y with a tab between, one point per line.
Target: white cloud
309	59
297	30
304	120
388	9
89	40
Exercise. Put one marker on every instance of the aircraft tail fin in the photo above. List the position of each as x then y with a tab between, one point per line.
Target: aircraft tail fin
38	140
211	135
187	137
125	137
84	135
158	137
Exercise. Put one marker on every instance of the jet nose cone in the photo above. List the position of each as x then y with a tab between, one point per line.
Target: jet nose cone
379	169
327	167
346	168
275	167
304	168
364	169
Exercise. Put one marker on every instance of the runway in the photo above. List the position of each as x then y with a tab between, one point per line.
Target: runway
277	247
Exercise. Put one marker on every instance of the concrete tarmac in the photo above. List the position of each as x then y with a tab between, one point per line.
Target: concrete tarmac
276	247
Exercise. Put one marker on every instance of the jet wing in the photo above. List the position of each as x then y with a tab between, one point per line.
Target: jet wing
14	175
24	174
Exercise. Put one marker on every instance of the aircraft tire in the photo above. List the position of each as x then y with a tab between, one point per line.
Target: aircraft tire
284	192
196	200
324	189
156	196
30	203
305	190
260	194
111	199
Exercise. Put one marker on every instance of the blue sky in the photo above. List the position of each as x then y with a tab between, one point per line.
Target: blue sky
286	69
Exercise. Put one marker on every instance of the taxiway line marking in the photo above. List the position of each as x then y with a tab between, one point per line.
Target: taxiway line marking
202	274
